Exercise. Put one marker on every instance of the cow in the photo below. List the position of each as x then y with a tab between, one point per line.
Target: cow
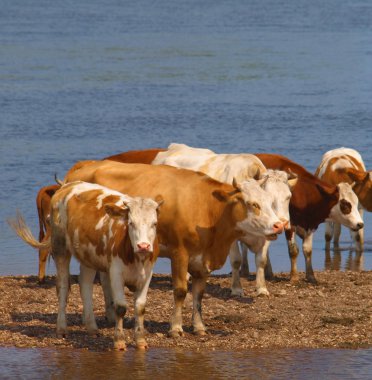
106	231
313	202
199	221
346	165
43	200
226	168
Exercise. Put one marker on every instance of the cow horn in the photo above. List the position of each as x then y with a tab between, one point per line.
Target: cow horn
59	182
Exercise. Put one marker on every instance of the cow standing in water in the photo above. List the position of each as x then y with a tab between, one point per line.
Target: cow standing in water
106	231
346	165
199	221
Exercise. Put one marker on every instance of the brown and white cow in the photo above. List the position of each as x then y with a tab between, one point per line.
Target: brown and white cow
225	168
199	221
313	202
106	231
346	165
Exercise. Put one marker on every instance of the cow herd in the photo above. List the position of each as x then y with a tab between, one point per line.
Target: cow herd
195	207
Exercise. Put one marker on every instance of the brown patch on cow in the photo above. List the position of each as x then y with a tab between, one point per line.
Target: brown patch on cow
345	206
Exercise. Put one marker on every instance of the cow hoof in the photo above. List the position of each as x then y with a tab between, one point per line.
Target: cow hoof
294	279
175	333
120	345
262	292
244	273
61	333
200	332
237	292
312	280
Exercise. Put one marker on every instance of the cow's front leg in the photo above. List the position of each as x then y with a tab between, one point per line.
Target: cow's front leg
358	236
198	287
139	311
244	270
107	295
261	259
336	234
269	274
235	261
293	253
120	305
307	247
86	280
179	279
328	235
62	261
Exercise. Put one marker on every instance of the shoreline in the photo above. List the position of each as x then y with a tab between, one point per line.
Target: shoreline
336	313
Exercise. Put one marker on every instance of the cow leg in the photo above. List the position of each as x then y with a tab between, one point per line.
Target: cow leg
269	275
336	234
235	261
358	236
198	287
179	265
62	262
86	280
120	305
293	253
307	248
244	270
43	255
261	259
107	295
328	234
139	310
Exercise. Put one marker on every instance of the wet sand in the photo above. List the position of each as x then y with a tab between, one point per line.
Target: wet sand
336	313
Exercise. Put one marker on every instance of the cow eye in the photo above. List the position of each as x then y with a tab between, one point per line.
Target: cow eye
154	224
256	206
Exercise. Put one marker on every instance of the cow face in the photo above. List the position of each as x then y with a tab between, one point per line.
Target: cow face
345	211
260	219
278	184
141	215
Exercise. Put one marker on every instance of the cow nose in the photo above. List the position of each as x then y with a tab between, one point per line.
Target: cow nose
278	227
143	246
360	225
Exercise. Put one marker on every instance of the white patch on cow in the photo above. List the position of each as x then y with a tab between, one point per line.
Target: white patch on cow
101	222
104	241
352	219
196	263
111	233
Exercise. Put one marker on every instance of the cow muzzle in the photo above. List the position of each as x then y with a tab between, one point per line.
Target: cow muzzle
143	247
358	227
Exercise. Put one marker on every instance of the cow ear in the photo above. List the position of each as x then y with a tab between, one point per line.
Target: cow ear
159	200
221	195
325	190
353	174
116	211
236	185
257	176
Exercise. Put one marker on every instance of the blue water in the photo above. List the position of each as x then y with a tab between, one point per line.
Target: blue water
87	79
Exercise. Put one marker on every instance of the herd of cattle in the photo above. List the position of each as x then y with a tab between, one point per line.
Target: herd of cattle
196	207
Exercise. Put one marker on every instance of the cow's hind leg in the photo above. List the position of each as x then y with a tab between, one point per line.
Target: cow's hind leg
307	247
328	235
62	261
120	304
293	253
244	270
86	280
198	287
235	261
179	278
107	295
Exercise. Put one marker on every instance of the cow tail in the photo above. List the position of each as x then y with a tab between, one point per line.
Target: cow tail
20	227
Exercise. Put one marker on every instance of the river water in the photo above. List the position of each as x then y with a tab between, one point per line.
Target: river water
86	79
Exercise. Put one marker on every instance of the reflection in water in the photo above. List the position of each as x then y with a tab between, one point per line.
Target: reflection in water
177	364
353	261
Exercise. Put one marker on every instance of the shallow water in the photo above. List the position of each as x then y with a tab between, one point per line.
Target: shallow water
180	364
87	79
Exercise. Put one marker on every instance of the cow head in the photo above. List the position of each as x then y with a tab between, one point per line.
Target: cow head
278	184
141	215
345	211
259	217
362	185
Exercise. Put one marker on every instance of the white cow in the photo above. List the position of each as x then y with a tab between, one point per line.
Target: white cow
106	231
226	168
